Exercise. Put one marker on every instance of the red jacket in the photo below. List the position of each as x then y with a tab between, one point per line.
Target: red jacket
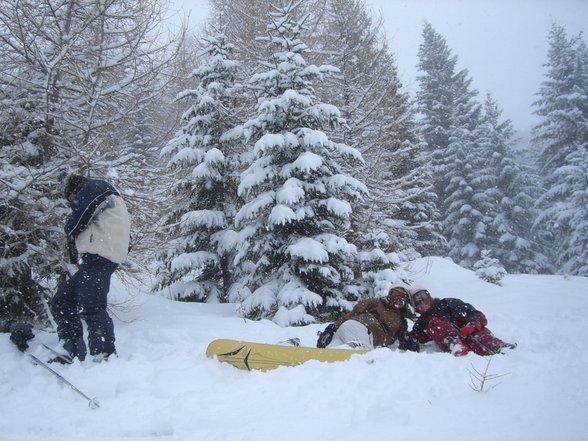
455	311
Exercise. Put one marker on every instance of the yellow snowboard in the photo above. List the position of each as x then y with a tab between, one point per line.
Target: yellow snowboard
248	355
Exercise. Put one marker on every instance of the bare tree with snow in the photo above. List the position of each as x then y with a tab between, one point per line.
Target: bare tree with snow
72	76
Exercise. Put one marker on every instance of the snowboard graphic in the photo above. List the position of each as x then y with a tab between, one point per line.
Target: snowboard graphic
248	355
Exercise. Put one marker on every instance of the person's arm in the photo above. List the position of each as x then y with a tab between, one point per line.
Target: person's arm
418	331
472	320
360	308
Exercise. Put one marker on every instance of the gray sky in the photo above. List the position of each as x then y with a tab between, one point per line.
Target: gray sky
502	43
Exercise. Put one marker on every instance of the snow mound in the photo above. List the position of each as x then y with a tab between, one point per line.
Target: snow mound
162	386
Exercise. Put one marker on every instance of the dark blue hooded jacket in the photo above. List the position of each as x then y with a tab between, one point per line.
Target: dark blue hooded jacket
90	193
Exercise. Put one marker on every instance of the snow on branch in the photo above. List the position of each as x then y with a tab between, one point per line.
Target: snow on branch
295	293
309	250
251	209
192	260
202	218
344	181
294	316
290	192
308	162
281	215
338	207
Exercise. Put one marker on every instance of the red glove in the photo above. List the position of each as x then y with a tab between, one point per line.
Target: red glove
470	328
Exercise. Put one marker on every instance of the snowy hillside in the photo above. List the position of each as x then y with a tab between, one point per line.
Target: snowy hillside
163	387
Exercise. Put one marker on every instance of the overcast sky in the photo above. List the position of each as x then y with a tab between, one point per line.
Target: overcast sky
502	43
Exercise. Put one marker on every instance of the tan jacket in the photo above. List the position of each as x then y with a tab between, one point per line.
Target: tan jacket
384	321
108	233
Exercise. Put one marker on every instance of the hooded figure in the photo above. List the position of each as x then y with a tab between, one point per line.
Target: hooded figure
99	231
72	183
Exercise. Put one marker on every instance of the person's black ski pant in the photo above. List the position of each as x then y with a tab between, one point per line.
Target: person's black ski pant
84	297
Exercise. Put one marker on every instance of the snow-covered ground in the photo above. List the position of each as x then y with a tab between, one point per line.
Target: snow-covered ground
163	387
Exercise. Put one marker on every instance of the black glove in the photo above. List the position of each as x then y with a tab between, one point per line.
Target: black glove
409	344
20	333
326	336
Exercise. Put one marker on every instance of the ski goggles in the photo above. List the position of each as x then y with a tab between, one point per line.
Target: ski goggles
420	296
398	294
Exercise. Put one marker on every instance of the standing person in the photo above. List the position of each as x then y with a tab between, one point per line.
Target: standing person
98	232
455	326
372	323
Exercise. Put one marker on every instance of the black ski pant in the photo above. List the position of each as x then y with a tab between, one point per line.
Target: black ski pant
84	297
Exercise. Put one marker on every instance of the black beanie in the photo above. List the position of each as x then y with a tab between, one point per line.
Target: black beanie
72	183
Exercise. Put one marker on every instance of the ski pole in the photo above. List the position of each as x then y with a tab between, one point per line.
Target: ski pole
92	402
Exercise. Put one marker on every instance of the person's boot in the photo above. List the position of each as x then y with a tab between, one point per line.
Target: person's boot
105	351
99	358
457	347
76	348
505	345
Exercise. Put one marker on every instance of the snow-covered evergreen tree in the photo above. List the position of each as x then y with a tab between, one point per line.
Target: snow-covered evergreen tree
450	116
505	195
295	260
485	196
465	225
381	124
489	269
562	138
197	263
440	89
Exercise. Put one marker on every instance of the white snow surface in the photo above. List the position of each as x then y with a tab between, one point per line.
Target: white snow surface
162	386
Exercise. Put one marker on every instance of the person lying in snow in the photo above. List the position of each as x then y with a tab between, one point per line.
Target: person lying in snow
455	326
372	323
